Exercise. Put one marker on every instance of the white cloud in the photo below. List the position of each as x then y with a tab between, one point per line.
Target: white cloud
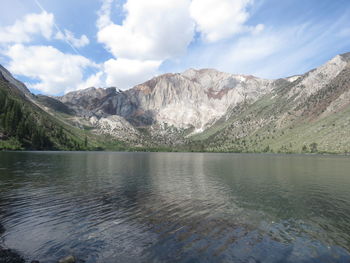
23	30
70	38
95	80
257	29
247	55
274	52
104	14
218	20
254	48
155	35
125	73
56	72
121	73
152	30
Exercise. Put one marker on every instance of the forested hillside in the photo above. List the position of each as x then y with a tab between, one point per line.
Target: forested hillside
23	125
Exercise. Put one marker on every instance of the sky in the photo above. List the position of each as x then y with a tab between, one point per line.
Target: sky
55	47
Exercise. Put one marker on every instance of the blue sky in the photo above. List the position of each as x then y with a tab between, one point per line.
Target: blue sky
59	46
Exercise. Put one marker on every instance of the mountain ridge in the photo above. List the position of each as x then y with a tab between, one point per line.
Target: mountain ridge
209	110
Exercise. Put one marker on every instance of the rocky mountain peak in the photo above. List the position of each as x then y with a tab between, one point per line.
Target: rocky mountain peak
318	78
346	57
192	99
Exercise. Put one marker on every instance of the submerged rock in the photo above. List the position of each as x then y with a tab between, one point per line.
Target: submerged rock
69	259
10	256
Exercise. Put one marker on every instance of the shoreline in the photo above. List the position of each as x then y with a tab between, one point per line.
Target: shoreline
207	152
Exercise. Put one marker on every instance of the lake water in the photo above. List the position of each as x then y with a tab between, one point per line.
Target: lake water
175	207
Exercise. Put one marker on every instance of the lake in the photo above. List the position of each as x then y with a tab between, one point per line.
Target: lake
175	207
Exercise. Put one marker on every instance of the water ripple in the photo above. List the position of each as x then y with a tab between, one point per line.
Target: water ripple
108	207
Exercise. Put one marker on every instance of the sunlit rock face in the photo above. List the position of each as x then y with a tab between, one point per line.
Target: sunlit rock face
318	78
195	100
192	99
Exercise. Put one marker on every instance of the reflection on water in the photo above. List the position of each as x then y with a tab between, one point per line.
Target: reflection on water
176	207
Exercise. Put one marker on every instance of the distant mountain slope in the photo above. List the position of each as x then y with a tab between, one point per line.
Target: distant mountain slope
23	125
14	83
194	99
54	104
309	114
203	110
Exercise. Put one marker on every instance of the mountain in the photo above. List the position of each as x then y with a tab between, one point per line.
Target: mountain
307	113
6	76
193	99
167	109
24	124
208	110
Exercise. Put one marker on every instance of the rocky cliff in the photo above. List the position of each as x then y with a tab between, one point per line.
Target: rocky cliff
211	110
194	99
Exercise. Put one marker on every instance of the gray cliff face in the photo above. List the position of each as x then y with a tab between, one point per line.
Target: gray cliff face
191	102
194	99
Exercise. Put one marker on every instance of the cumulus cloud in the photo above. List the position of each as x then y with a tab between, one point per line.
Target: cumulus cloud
104	14
218	20
54	71
121	73
127	72
95	80
23	30
150	33
70	38
152	30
